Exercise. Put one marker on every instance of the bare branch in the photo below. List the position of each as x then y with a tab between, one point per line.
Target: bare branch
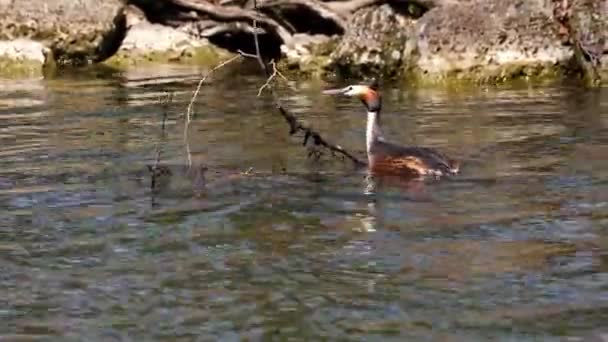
248	55
233	13
322	9
269	79
346	8
294	124
200	83
191	104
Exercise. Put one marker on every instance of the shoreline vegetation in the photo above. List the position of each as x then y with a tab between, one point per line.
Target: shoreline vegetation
423	42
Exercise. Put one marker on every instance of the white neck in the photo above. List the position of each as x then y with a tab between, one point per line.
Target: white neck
373	132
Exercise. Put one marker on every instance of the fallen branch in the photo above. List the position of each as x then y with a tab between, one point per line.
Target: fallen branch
294	124
191	104
346	8
233	13
327	10
200	83
225	28
275	73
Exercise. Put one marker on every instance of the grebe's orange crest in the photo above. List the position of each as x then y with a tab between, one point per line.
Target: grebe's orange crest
369	94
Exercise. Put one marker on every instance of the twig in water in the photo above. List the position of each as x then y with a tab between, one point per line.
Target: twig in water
275	73
294	124
191	104
269	79
155	169
200	84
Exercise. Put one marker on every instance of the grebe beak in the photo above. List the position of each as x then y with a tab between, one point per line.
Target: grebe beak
340	91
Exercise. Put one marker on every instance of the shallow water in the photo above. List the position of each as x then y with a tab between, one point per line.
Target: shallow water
267	244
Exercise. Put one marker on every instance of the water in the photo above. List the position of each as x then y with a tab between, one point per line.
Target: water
270	245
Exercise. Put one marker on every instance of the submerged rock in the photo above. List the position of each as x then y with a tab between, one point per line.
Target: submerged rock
76	32
378	41
22	57
490	41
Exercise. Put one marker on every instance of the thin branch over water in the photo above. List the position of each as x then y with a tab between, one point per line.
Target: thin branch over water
295	125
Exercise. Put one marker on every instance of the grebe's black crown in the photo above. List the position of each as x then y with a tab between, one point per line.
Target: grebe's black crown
373	84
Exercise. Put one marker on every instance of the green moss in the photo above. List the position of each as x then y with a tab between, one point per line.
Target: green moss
204	56
11	68
318	67
504	74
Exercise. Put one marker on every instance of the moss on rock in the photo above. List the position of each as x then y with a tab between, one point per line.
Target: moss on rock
147	43
24	58
11	68
504	74
203	55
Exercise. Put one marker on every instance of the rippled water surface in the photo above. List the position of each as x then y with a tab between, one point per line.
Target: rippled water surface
255	240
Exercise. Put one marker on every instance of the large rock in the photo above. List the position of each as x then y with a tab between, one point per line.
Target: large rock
307	55
588	23
378	41
490	41
76	32
22	57
147	43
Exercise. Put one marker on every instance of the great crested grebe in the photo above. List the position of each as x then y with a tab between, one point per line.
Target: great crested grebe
388	158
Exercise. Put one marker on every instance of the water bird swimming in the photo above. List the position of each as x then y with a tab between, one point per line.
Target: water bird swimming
388	158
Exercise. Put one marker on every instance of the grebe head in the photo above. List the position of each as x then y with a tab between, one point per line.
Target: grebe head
368	94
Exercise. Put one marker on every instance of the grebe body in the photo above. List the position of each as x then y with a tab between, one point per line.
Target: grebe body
387	158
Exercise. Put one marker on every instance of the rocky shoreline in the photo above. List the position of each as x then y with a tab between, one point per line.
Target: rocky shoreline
424	41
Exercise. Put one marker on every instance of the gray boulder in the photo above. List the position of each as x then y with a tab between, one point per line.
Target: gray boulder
490	41
378	41
76	32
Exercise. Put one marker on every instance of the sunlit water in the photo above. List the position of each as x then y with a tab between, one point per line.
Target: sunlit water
268	244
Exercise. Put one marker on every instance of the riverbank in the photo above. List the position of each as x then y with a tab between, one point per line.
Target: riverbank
434	42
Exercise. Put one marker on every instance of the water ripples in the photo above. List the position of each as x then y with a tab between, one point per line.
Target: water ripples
255	241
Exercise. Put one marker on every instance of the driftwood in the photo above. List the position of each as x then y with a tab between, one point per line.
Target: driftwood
278	18
327	10
233	13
